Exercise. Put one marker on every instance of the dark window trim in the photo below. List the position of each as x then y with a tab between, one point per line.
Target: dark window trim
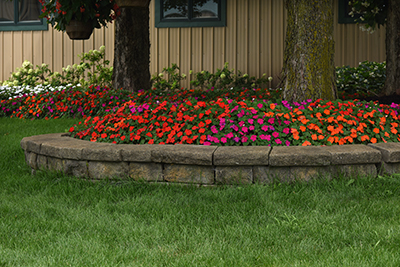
344	18
185	23
16	25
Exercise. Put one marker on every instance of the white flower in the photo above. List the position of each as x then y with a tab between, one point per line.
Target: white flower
270	78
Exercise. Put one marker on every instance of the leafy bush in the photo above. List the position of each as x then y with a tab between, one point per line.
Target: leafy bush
366	79
221	79
92	70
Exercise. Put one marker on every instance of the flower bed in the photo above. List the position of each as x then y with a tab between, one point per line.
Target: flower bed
214	117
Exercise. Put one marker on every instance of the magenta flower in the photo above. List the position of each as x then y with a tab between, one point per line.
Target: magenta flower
250	121
271	120
260	106
253	138
275	134
235	128
260	121
245	129
278	141
229	135
236	139
265	128
223	140
214	129
244	139
286	131
251	128
241	123
287	143
207	143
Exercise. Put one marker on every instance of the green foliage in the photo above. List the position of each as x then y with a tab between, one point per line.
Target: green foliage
368	78
371	13
92	70
173	79
221	79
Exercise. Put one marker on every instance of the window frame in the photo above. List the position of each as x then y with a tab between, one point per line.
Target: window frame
186	23
17	25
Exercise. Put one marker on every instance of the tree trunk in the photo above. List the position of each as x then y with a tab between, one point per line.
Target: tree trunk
308	68
392	84
132	49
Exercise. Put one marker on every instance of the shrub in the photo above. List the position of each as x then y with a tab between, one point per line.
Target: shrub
92	70
366	79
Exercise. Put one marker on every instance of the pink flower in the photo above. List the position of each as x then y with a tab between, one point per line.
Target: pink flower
253	138
264	128
265	137
214	129
278	141
207	143
235	128
241	113
254	111
245	130
271	120
229	135
244	139
223	140
241	123
286	122
275	134
260	121
287	143
236	139
250	121
251	128
260	106
286	131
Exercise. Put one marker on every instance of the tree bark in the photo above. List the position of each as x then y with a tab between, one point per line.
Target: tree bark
308	68
132	49
392	84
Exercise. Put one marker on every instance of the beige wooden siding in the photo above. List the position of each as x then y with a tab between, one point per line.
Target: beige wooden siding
252	42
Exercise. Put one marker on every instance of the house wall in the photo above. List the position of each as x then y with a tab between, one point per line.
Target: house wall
252	42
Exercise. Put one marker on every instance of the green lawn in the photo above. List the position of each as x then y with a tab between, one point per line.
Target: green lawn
53	220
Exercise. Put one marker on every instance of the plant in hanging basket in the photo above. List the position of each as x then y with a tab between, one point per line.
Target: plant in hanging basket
97	13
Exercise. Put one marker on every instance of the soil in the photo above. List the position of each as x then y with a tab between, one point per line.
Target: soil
384	99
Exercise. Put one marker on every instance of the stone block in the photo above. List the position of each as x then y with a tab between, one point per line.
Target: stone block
234	174
33	143
76	168
353	154
243	155
103	170
31	159
137	153
390	168
64	148
308	173
299	156
188	173
55	164
41	162
102	152
146	171
354	170
390	151
184	154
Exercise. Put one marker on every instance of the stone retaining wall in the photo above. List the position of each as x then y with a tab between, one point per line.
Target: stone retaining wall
206	165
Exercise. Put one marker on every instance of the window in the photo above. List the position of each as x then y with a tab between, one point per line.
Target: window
21	15
343	14
190	13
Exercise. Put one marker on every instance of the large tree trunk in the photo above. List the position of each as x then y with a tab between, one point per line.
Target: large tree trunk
308	68
132	49
392	84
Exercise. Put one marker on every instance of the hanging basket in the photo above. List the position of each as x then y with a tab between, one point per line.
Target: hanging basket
132	3
78	30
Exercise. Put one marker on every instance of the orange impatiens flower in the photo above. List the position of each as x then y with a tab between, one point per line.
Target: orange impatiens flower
306	143
364	138
376	130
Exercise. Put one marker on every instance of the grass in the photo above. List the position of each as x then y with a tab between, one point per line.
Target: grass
54	220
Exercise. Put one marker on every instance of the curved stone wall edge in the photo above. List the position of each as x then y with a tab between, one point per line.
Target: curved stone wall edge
206	165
